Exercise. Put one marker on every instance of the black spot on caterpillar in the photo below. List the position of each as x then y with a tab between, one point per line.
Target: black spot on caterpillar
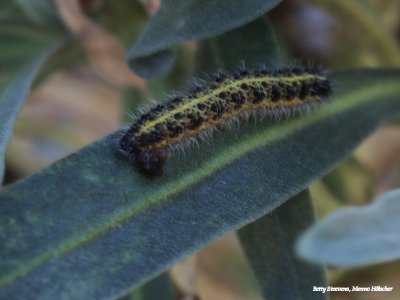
223	99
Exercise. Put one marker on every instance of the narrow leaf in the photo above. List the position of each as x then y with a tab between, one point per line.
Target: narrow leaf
269	245
40	11
21	42
180	20
356	236
257	48
157	288
13	98
90	226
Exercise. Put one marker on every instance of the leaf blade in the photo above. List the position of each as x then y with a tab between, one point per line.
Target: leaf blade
40	11
269	245
12	100
150	56
355	236
126	220
158	288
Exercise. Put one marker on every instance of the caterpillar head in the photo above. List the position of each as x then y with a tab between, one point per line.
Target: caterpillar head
149	161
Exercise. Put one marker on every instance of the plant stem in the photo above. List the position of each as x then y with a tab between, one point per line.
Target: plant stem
385	44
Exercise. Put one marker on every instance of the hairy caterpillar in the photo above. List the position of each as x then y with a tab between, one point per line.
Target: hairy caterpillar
225	98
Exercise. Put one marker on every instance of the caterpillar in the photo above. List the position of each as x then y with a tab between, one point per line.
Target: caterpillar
225	98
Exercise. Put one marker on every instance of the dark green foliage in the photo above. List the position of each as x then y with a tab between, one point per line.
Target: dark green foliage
257	48
178	21
269	245
91	227
12	100
158	288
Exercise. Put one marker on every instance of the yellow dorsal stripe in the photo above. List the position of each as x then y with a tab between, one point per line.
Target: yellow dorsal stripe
230	84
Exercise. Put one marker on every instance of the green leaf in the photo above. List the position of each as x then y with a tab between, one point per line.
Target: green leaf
21	43
27	31
269	246
356	236
8	10
12	99
158	288
178	21
257	47
90	226
40	11
25	48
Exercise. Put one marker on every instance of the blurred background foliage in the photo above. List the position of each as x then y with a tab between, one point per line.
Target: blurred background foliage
82	95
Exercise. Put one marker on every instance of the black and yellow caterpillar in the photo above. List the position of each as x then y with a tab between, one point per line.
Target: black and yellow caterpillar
148	141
